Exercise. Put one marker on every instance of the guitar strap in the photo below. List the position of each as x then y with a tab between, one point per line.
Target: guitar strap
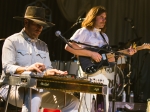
104	38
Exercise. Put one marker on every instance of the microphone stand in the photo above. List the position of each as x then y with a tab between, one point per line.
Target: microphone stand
71	27
67	32
128	75
100	48
91	46
77	22
114	85
133	28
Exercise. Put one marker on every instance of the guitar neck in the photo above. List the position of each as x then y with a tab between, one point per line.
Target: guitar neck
141	48
126	51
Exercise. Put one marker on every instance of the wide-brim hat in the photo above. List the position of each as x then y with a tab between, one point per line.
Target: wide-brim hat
36	14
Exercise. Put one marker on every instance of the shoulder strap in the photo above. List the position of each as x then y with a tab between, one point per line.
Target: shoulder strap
103	37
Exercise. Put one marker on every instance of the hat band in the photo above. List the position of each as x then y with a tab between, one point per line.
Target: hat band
32	17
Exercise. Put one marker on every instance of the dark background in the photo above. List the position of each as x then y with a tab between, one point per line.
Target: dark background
9	9
118	30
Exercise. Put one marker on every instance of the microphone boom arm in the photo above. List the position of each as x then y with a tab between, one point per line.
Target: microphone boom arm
97	47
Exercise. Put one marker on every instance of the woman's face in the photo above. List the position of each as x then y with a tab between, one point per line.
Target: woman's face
100	21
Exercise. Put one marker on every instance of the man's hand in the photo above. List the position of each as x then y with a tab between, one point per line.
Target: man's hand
51	72
38	67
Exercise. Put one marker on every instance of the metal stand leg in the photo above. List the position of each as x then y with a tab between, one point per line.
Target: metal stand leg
24	109
104	103
128	76
65	98
79	109
129	81
6	104
114	91
30	96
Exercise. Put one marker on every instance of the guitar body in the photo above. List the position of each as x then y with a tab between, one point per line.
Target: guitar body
89	66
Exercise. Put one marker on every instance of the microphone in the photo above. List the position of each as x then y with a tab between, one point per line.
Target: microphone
58	34
80	20
128	19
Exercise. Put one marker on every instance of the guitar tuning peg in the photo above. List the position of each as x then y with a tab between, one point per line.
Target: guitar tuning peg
134	45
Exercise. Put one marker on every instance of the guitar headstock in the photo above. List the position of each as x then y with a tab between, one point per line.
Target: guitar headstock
146	46
134	45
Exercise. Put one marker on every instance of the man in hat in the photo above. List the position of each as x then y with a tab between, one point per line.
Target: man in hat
24	53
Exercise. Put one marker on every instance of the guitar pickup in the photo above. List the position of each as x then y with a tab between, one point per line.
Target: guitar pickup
104	56
110	55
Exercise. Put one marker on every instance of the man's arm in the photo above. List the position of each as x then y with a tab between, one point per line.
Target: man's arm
8	57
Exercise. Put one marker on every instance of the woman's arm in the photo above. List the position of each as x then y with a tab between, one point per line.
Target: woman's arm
77	50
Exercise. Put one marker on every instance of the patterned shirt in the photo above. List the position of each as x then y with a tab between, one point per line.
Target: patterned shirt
20	50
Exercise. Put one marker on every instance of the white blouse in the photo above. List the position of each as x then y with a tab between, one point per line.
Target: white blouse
93	38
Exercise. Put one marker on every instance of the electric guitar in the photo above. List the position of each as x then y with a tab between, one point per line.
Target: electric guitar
89	66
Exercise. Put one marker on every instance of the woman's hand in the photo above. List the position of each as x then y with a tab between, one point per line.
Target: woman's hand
131	50
96	56
51	72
